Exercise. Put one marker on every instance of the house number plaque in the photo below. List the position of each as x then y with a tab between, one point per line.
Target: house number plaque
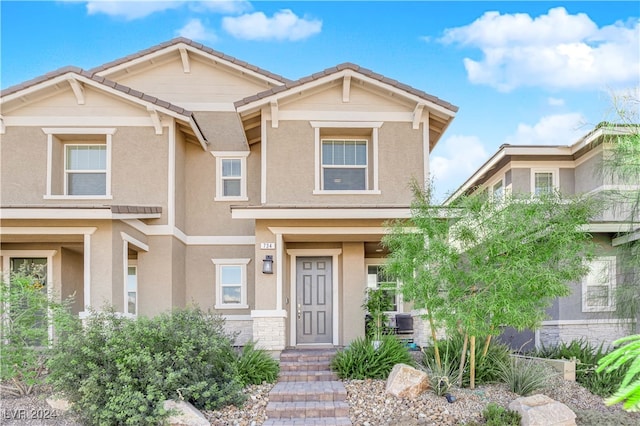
267	246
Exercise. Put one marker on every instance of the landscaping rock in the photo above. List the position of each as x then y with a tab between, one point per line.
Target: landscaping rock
406	382
58	403
540	410
187	415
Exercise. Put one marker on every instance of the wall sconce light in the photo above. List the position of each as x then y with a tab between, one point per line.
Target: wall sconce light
267	265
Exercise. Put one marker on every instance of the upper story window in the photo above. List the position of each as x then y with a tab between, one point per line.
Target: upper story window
85	169
344	164
544	181
78	163
346	157
497	190
599	285
231	176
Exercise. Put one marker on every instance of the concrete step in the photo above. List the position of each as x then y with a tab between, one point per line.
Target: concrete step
307	376
307	409
307	355
310	421
308	391
305	365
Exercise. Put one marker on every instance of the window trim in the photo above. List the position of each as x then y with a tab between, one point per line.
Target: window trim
88	131
555	178
219	264
611	306
231	155
372	162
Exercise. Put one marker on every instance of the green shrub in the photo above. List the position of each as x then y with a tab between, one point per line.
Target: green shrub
443	376
360	360
524	376
496	415
627	355
599	418
117	370
487	367
586	356
256	365
25	310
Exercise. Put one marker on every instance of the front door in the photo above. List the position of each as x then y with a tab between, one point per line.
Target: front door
314	300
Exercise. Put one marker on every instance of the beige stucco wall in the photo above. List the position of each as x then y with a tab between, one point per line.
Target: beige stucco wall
23	171
72	278
204	215
290	152
352	292
200	275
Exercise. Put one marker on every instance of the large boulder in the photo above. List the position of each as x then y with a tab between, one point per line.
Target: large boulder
187	414
540	410
406	382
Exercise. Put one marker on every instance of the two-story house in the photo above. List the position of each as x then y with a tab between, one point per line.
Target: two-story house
591	311
179	175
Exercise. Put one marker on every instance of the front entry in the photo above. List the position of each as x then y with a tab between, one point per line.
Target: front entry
314	300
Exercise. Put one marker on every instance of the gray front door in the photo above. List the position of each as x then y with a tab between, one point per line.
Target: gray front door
313	301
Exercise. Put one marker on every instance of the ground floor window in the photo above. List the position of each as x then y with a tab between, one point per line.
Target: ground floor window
598	286
231	283
376	278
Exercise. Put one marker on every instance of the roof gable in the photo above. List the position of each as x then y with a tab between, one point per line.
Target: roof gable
78	81
185	52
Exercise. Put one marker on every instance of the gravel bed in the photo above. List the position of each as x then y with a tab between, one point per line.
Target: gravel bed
369	406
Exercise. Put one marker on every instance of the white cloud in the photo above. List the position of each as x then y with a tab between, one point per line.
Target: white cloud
459	157
195	30
136	9
555	101
131	10
556	50
560	129
284	25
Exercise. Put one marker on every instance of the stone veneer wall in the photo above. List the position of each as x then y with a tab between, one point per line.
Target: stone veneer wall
269	333
243	329
594	332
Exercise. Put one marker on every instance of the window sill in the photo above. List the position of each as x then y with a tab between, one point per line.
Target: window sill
229	306
347	192
230	199
77	197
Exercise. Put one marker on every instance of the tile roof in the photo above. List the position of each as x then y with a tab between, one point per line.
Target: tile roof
198	46
346	66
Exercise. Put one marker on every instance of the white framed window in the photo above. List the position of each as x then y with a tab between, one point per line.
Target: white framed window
85	169
344	164
79	163
497	190
231	176
346	157
231	283
544	181
131	302
376	278
599	285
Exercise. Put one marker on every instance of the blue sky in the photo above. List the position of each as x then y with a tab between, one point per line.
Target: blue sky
520	72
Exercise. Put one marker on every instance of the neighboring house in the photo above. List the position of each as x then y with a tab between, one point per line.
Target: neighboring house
179	175
591	309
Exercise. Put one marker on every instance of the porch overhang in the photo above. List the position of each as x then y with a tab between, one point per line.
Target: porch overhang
81	212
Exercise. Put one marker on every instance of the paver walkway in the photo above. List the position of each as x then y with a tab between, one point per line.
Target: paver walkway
308	392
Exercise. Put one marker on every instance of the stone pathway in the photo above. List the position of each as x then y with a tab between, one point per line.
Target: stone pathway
307	392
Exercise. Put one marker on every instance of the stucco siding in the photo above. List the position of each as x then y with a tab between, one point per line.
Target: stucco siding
521	181
589	174
23	156
566	180
291	152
